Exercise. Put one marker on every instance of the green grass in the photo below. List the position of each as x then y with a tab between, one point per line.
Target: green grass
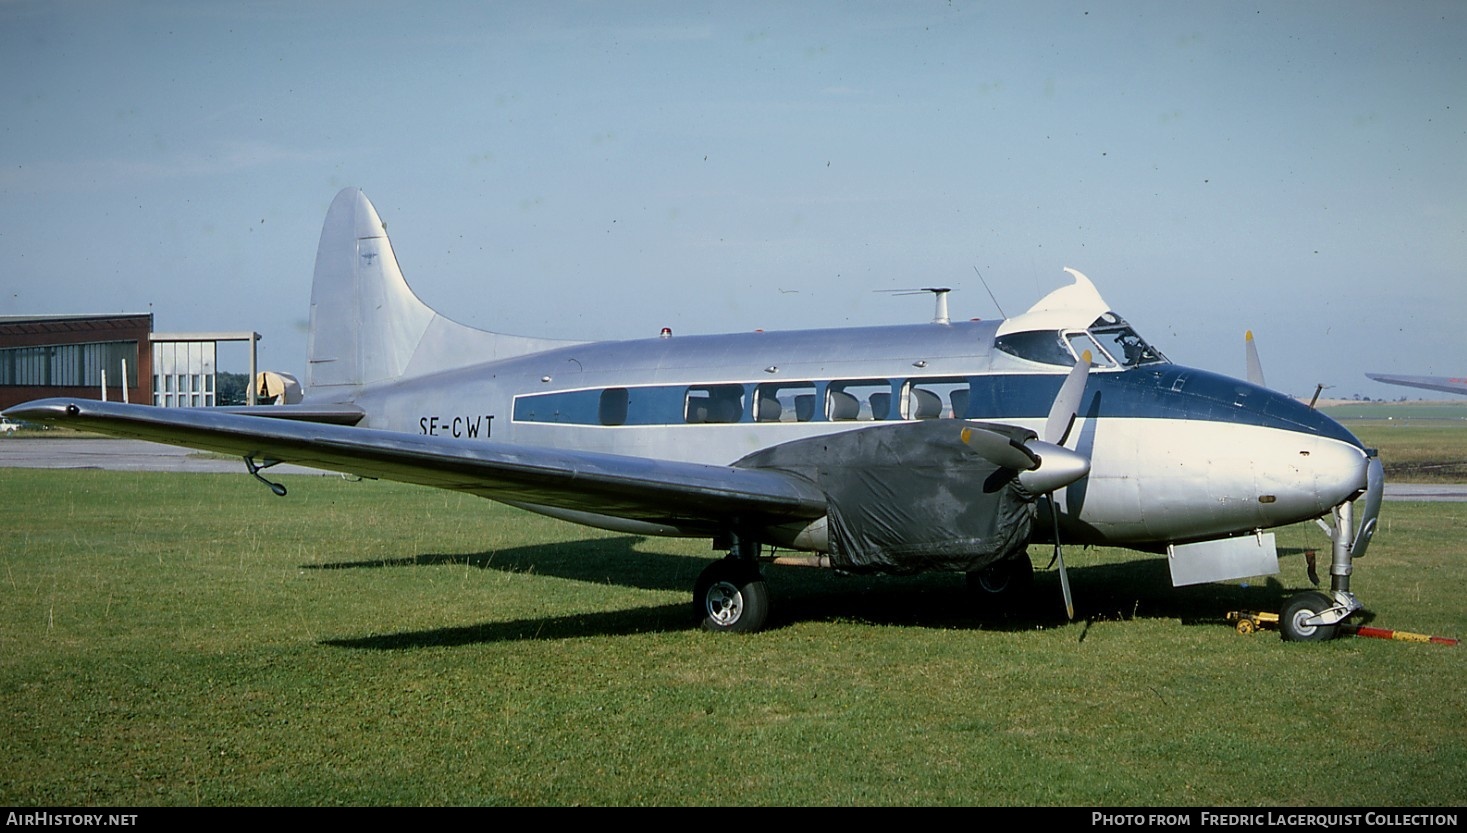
193	640
1419	410
1417	451
1419	442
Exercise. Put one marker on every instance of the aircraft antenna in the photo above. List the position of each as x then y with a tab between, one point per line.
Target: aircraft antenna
1318	389
939	316
990	293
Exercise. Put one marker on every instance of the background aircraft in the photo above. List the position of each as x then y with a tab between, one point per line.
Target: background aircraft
888	450
1446	384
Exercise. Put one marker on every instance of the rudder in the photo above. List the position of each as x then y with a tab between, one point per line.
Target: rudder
365	320
367	326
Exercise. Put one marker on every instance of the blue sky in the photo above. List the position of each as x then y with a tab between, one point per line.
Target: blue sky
601	170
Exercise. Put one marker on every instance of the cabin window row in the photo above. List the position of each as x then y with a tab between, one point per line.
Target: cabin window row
847	400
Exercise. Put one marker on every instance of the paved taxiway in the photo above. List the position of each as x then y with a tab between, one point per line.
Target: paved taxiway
136	455
120	455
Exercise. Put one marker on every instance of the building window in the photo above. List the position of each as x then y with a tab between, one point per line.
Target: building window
70	365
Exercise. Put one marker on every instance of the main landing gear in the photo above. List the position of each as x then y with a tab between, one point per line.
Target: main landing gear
730	594
1003	582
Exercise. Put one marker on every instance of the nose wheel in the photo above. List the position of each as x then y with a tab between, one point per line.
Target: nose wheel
1309	617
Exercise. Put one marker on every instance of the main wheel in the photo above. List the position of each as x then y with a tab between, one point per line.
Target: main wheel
1300	608
731	596
1003	581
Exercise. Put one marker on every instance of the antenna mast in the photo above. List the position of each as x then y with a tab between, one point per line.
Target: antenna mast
939	316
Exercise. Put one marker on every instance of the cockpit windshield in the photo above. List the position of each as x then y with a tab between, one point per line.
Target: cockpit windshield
1124	344
1110	341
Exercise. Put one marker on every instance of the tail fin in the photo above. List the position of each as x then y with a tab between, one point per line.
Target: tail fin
367	326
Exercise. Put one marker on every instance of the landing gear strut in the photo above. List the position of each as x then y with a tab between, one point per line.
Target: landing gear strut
1316	616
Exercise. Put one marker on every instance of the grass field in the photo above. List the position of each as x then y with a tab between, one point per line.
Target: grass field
1419	442
192	640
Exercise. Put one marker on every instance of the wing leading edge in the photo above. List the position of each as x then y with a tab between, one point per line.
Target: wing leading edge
687	496
1446	384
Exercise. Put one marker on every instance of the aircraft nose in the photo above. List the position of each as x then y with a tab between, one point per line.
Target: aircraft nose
1312	477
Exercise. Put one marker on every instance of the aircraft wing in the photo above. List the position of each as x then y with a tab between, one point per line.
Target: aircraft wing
1447	384
685	495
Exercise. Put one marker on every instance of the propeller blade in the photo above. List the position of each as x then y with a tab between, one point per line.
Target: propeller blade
1255	367
1374	491
1000	450
1067	402
1059	559
1059	466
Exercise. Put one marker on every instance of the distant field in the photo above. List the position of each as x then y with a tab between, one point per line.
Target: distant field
176	639
1410	410
1419	442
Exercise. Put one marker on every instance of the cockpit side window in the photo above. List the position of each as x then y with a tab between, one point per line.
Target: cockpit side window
1042	346
1080	341
1126	345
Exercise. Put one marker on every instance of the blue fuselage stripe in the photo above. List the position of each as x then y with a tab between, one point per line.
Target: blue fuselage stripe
1158	392
1162	391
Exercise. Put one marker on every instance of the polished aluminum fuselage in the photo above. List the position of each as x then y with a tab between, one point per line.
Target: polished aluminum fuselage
1177	454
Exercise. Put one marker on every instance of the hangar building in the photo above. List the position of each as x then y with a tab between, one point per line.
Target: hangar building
116	357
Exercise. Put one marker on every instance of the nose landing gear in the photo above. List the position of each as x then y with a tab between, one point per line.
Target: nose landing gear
1314	616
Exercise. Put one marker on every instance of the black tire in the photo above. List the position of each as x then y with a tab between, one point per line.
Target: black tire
731	597
1302	607
1003	582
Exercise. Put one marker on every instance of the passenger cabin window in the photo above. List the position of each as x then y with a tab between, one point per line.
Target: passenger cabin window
714	403
841	400
861	400
936	398
613	409
784	402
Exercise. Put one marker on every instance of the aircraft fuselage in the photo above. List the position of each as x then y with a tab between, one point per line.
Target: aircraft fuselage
1177	454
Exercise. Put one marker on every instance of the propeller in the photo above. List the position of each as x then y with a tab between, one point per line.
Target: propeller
1374	491
1056	430
1255	367
1045	465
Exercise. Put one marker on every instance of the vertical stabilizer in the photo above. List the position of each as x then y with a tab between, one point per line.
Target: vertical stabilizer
367	326
365	321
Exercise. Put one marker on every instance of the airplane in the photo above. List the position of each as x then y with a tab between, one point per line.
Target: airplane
888	450
1447	384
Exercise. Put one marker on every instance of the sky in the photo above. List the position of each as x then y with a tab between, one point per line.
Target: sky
600	170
